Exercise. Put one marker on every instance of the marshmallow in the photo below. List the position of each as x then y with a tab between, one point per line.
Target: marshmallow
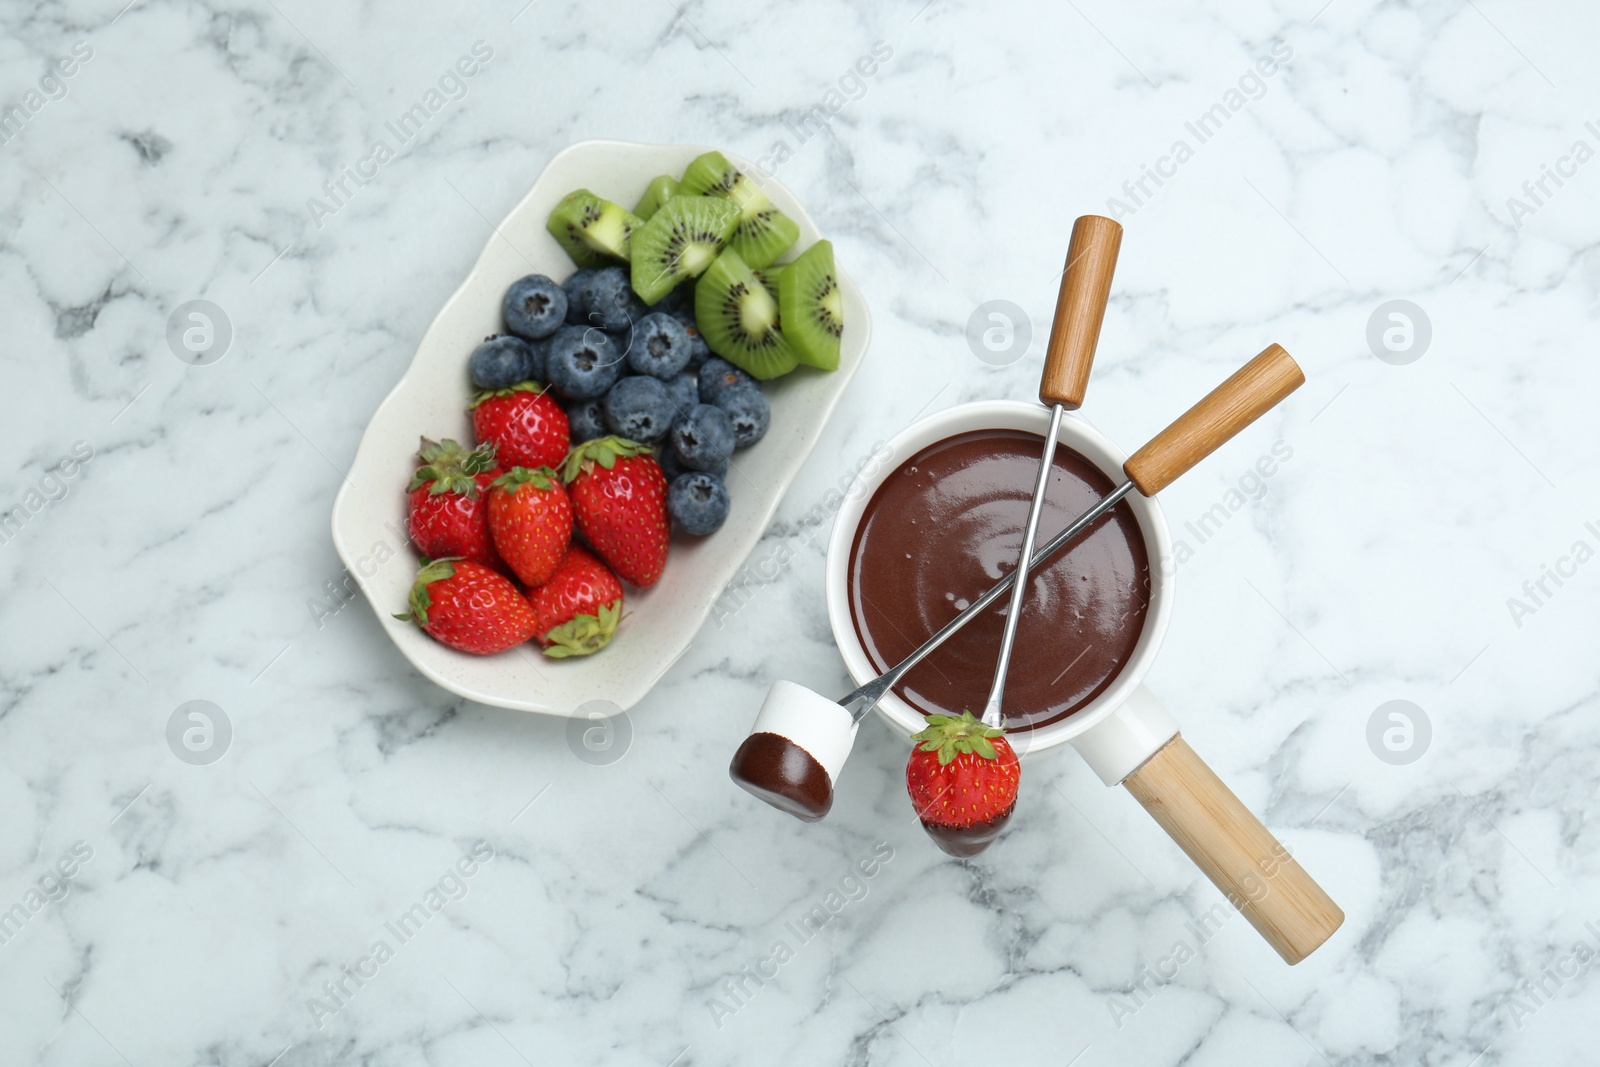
795	751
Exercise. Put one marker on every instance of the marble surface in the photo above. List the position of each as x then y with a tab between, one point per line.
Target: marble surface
534	907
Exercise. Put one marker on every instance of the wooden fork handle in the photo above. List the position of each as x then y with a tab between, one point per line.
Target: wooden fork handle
1080	310
1240	856
1250	392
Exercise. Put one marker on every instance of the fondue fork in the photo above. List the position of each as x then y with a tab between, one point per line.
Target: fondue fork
1248	393
1080	310
808	737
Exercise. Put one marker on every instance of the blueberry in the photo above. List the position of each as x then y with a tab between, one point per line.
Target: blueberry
610	302
624	339
718	376
668	461
500	362
582	362
577	289
747	409
698	502
699	351
639	409
534	307
703	439
538	358
680	299
587	419
684	391
660	346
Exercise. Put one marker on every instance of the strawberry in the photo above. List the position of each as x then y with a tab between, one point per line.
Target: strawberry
527	426
578	608
469	607
619	496
530	519
447	516
962	776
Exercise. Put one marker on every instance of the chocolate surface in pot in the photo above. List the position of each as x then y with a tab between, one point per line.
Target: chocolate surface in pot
946	526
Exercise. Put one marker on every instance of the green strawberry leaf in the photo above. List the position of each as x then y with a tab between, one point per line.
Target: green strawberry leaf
950	736
517	477
583	635
480	459
431	571
602	450
529	386
451	467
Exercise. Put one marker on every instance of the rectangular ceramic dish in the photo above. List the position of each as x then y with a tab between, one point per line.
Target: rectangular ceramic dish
431	399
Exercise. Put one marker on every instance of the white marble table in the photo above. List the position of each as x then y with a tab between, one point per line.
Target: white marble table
1427	534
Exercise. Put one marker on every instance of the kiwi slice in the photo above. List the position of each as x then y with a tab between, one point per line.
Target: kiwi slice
679	242
769	277
764	231
594	231
812	307
739	319
658	192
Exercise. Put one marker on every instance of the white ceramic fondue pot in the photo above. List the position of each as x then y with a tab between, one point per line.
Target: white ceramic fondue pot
1123	726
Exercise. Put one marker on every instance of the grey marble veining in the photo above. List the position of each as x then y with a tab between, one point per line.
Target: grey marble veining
1428	533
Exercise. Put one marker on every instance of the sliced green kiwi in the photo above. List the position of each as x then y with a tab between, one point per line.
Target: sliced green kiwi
764	231
812	307
739	319
769	277
594	231
658	192
679	242
765	234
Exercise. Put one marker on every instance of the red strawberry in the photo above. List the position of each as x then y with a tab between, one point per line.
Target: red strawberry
962	777
619	496
526	424
578	608
530	519
447	512
469	607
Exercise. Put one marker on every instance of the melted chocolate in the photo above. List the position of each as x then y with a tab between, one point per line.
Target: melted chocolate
783	774
945	527
964	841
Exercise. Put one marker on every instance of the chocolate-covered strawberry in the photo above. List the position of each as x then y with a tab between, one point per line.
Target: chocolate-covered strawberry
962	777
526	425
578	608
447	513
469	607
619	497
530	519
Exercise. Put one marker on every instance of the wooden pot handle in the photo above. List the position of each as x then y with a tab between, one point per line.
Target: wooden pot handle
1080	309
1250	392
1240	856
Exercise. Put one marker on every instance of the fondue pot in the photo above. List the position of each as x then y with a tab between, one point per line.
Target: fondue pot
1124	733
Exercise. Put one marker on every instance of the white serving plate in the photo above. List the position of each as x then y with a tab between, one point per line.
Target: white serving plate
369	515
